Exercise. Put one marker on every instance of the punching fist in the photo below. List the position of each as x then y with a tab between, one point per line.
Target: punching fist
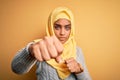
46	49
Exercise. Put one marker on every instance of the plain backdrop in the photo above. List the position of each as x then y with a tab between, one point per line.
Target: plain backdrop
97	24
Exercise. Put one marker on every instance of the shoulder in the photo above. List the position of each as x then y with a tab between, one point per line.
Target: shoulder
79	55
78	50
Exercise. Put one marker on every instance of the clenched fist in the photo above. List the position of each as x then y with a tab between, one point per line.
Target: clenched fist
46	49
74	66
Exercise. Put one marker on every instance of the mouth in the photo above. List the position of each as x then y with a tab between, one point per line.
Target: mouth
62	38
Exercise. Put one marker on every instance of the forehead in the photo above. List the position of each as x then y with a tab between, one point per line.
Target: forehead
62	21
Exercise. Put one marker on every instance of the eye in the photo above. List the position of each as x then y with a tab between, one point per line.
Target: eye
68	27
57	27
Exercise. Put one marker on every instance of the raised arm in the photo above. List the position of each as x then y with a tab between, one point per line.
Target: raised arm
41	50
23	61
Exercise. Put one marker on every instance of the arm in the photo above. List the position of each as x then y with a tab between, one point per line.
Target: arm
42	50
23	61
85	74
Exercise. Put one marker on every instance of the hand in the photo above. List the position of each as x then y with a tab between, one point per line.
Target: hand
46	49
73	66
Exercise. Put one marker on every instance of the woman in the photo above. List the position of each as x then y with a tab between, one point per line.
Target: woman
56	55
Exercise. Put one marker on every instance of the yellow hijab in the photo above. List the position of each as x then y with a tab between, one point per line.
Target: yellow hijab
69	45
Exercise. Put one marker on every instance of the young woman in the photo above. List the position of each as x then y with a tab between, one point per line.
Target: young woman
56	55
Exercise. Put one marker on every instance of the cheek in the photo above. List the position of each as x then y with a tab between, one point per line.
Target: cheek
68	33
56	32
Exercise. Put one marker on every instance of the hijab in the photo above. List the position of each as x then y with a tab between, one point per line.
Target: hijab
69	46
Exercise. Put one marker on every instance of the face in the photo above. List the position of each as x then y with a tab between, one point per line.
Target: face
62	29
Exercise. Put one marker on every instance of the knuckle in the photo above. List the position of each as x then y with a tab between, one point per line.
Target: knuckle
54	55
46	58
60	50
33	47
40	59
41	42
46	38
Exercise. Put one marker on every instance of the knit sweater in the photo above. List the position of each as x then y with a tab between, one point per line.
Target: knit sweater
23	62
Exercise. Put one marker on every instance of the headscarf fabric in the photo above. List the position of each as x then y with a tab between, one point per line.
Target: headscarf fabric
69	45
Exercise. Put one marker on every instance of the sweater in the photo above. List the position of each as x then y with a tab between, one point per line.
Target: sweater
23	62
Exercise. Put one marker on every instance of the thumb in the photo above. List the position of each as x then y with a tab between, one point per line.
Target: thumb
59	59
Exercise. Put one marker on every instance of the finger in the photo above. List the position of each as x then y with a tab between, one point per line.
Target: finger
70	64
38	55
81	68
36	52
58	44
71	67
50	47
44	52
69	60
59	59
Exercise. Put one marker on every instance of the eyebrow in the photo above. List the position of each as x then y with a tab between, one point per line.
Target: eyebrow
60	25
68	24
57	24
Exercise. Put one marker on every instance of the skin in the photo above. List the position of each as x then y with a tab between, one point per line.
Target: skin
52	47
62	29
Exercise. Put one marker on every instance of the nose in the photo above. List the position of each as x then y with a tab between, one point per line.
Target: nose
62	32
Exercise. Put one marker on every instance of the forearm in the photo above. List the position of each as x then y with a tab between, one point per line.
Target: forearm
23	61
85	74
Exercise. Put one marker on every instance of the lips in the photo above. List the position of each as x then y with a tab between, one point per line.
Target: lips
62	38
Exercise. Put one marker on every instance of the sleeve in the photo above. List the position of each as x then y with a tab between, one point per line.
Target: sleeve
23	61
85	74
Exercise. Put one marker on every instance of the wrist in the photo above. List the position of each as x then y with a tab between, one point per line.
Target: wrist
80	69
29	49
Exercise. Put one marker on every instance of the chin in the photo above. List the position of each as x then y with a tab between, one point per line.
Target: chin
62	42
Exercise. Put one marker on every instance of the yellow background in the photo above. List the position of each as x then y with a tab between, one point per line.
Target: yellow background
97	24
